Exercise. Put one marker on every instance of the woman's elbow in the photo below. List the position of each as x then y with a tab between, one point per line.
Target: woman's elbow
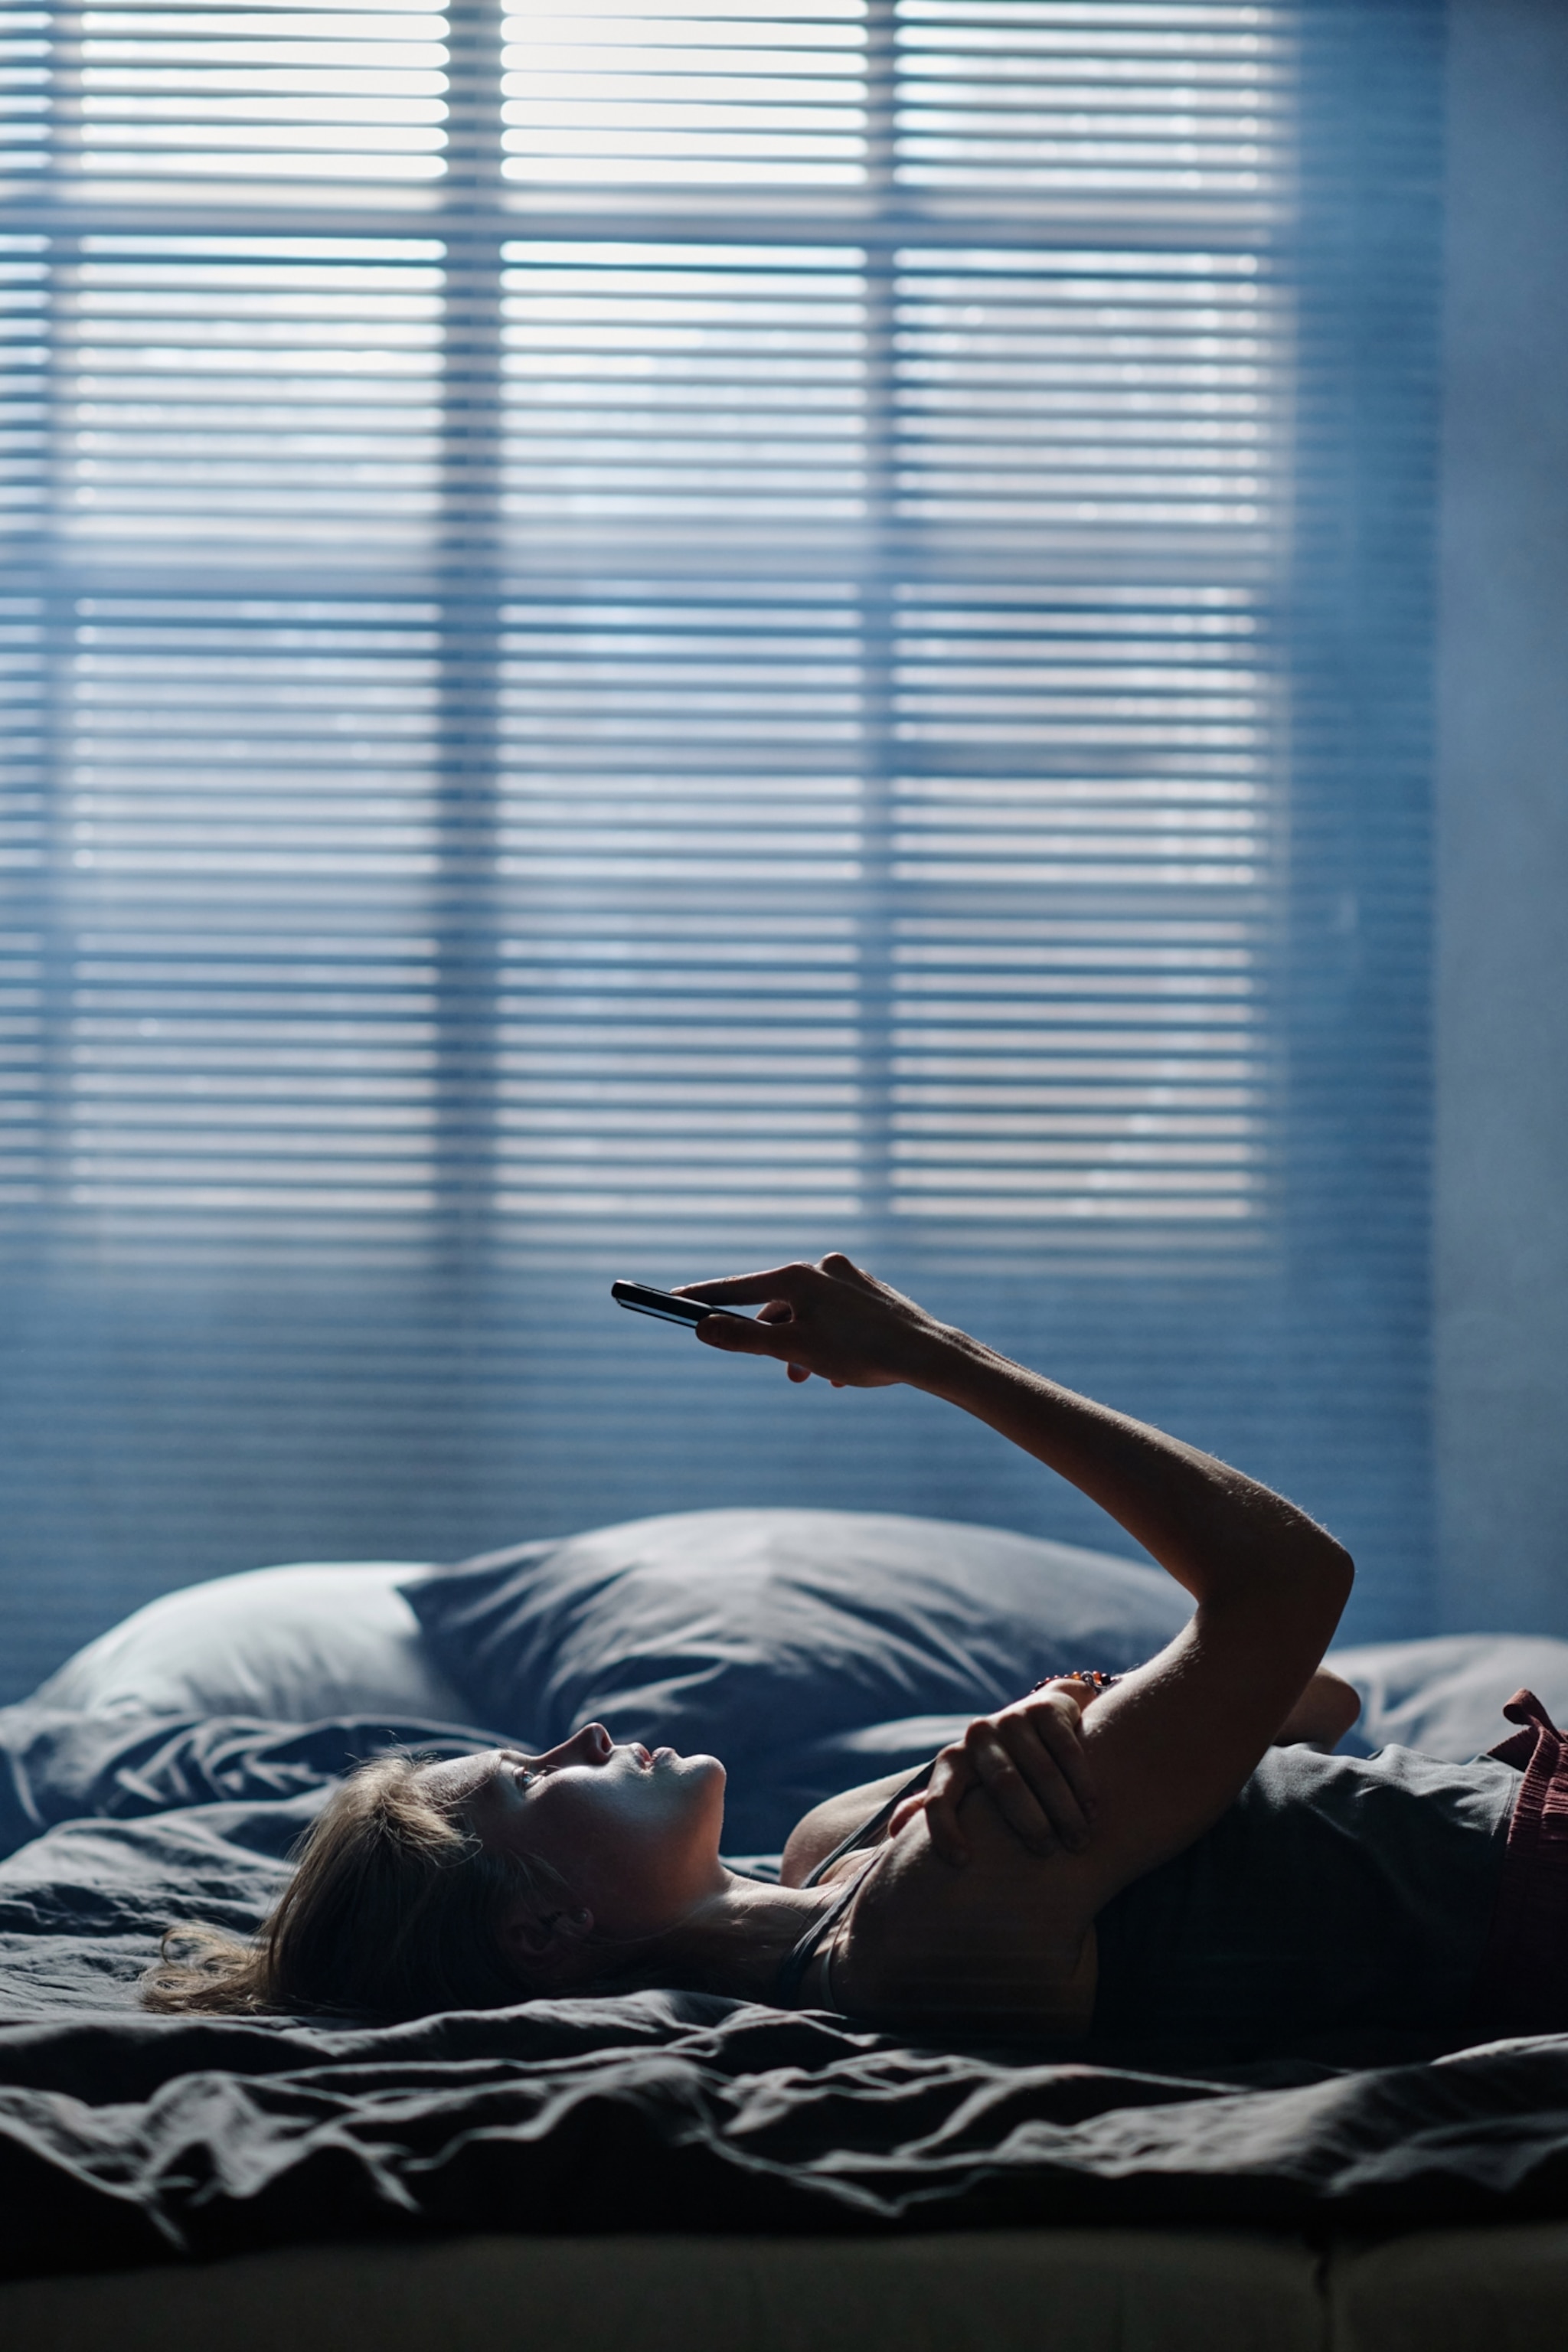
1333	1576
1342	1570
1316	1573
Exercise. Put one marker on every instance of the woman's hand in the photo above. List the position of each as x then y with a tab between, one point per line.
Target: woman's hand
1029	1760
831	1319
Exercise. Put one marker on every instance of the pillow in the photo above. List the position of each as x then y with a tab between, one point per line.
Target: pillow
765	1636
291	1645
1446	1696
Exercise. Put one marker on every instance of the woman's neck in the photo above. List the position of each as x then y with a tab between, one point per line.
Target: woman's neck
736	1941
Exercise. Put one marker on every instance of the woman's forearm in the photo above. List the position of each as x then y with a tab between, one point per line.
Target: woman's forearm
1210	1527
1208	1524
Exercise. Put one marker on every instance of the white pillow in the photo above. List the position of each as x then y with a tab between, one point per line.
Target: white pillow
1446	1696
290	1644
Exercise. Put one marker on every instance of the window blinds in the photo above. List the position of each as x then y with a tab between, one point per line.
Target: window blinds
646	638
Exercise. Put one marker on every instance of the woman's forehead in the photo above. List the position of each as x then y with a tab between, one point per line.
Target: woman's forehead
457	1776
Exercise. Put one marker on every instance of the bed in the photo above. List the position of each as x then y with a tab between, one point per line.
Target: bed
676	2168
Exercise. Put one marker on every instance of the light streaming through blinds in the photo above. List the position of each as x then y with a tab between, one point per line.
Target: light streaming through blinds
220	390
823	843
637	637
747	92
148	94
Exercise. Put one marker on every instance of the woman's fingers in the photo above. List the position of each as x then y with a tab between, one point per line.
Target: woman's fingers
782	1282
1026	1801
761	1338
1055	1719
832	1319
952	1776
736	1335
742	1335
1030	1762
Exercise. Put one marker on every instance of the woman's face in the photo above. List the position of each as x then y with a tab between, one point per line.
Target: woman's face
633	1837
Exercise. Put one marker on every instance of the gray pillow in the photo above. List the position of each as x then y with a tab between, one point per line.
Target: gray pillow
767	1636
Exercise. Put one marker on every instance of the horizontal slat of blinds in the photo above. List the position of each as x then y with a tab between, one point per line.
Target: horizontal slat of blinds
636	639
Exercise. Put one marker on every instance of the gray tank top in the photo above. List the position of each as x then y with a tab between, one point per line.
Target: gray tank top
1338	1896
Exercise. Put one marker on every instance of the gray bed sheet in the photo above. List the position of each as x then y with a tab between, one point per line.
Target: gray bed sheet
129	2140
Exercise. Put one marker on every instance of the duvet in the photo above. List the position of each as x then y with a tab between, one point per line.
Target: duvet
126	2137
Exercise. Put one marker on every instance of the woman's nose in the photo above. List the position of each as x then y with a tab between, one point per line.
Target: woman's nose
590	1744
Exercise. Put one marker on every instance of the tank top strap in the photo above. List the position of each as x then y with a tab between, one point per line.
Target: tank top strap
792	1969
795	1962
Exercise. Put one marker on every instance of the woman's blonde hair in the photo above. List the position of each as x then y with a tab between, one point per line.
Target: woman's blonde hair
395	1910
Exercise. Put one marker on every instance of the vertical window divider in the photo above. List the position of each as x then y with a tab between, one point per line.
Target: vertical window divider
469	587
58	620
879	634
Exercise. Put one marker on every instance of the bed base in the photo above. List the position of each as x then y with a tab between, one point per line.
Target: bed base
1502	2289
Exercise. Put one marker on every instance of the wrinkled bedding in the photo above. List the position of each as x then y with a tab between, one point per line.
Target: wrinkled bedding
127	2139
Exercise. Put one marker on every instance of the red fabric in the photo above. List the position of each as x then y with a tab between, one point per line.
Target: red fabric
1521	1986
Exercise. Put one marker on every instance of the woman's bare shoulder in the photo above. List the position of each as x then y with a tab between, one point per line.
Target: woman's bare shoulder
814	1837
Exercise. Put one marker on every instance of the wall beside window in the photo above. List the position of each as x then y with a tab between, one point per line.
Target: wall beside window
1501	1203
644	642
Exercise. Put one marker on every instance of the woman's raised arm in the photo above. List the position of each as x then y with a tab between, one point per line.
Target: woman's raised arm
1171	1743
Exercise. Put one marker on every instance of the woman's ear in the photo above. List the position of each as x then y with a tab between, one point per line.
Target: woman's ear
528	1934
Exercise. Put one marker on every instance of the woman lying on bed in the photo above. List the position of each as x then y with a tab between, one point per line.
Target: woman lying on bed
1133	1861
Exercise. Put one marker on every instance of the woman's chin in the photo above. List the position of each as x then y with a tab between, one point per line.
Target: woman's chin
708	1783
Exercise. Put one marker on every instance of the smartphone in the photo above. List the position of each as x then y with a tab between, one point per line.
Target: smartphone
643	1299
